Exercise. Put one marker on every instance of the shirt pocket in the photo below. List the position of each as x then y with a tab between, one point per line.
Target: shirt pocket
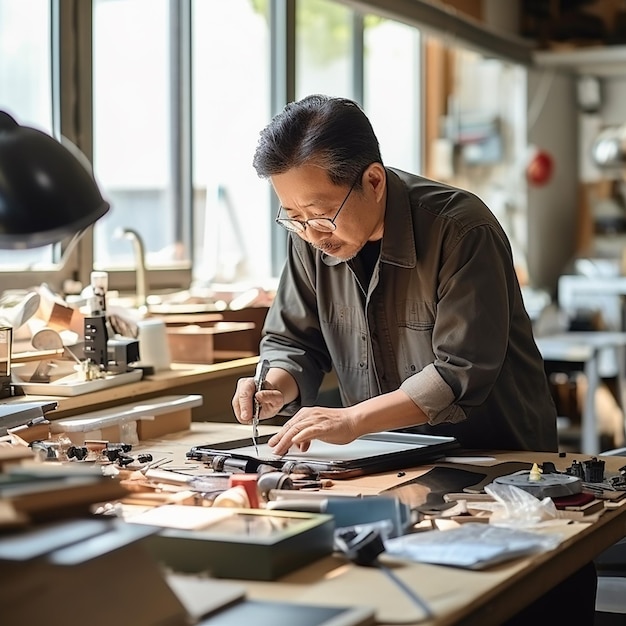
343	328
415	314
415	323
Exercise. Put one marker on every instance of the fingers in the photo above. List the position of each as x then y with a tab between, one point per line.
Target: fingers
334	426
271	401
281	443
243	400
303	447
295	432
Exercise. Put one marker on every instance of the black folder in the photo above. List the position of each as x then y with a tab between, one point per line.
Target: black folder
369	454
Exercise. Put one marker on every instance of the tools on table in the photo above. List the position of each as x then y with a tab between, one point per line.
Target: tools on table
262	368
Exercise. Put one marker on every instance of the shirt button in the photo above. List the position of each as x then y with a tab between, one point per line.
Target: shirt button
361	364
413	368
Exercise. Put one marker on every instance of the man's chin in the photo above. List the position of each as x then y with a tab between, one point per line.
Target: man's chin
341	257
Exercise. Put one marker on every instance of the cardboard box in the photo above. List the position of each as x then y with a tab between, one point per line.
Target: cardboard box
250	544
159	425
125	423
207	344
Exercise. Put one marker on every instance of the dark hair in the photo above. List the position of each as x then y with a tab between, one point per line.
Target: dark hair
333	133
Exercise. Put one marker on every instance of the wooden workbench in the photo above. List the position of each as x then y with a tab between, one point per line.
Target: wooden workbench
216	382
456	596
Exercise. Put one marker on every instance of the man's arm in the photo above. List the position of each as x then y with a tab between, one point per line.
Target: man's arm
340	426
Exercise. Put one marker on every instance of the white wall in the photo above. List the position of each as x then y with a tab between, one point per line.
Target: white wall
553	208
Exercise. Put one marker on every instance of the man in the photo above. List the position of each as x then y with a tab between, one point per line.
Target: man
405	286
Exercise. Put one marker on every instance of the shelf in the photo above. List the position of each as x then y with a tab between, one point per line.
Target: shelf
216	381
595	61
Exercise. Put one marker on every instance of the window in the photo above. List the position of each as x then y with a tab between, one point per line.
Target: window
133	133
323	49
231	100
25	89
179	92
392	90
25	79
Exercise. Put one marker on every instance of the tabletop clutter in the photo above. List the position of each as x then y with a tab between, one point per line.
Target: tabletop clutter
477	516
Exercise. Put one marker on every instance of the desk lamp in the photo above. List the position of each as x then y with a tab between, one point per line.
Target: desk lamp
47	193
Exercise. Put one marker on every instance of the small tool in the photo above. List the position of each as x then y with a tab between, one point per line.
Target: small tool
259	378
45	339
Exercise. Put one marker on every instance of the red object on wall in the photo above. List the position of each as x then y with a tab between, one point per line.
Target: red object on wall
540	168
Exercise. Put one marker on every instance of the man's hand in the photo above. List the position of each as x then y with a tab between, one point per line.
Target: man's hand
385	412
330	425
270	399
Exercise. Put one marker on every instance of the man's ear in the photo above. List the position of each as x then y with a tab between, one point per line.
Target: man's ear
375	180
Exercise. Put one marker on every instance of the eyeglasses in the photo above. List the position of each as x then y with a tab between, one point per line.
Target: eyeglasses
320	224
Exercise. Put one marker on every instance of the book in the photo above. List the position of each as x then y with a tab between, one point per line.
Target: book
13	414
40	498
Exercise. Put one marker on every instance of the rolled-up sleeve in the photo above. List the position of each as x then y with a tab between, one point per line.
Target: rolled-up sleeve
433	395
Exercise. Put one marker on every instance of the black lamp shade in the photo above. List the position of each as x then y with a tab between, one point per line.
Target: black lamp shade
46	192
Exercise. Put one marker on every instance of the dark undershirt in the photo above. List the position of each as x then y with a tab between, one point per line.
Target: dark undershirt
365	261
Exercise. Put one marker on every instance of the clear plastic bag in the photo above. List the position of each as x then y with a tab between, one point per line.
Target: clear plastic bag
516	508
471	545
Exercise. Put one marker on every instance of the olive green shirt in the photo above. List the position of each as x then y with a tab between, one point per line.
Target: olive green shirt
441	318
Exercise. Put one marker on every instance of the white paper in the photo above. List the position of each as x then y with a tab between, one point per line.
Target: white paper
471	545
181	516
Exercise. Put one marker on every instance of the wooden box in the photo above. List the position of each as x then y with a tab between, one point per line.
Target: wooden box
208	344
144	419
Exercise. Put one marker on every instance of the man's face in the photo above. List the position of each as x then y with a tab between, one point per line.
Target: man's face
306	193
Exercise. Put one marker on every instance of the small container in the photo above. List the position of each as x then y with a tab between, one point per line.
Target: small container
594	471
6	344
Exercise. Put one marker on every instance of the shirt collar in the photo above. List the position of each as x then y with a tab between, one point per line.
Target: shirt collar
398	239
398	244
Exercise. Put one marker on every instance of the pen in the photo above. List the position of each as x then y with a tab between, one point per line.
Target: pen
262	368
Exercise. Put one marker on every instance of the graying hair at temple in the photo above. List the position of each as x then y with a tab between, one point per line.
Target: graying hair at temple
334	133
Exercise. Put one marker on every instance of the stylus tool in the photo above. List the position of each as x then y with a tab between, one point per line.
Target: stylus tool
259	378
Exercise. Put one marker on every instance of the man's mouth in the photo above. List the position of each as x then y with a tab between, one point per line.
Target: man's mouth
327	246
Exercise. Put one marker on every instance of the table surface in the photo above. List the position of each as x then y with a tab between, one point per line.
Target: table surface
454	595
578	346
164	381
598	354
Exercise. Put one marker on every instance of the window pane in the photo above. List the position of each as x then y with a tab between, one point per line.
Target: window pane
133	130
231	97
323	48
25	87
393	104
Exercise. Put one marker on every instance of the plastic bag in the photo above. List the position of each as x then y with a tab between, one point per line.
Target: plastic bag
516	508
471	545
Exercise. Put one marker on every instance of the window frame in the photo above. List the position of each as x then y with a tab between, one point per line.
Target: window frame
158	279
72	104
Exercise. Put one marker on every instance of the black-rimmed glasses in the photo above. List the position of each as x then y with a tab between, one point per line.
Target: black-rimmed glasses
321	224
